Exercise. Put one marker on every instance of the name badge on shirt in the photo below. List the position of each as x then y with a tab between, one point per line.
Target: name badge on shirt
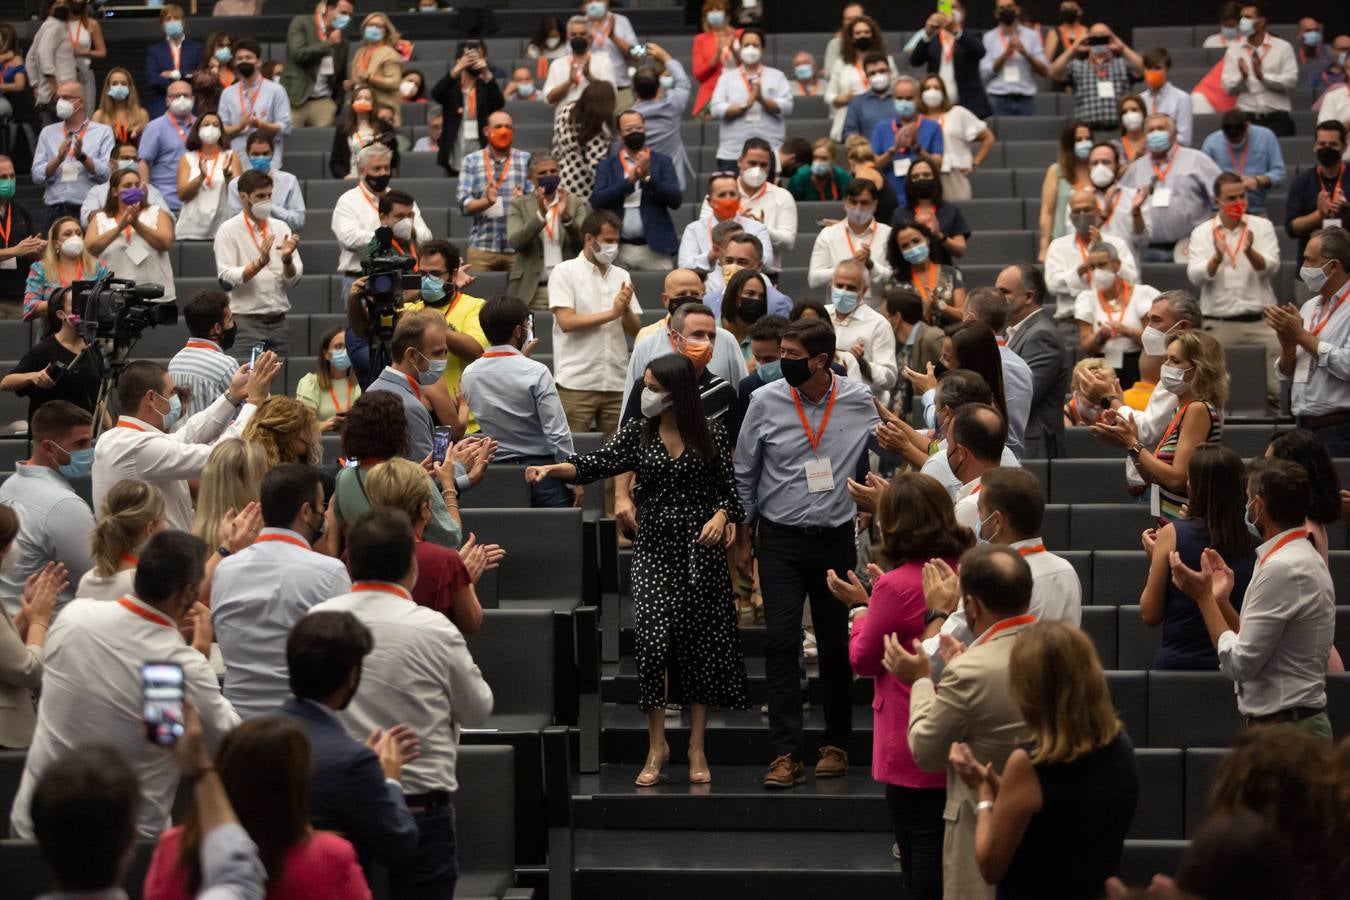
1115	356
819	475
1233	278
1302	368
496	210
1106	89
755	113
1154	500
1011	74
1332	223
469	128
70	169
137	251
900	167
10	262
1162	197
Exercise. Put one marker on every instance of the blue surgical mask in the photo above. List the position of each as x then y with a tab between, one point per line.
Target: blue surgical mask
1251	526
81	462
770	371
173	28
1246	25
916	255
435	369
667	81
373	33
820	168
126	164
844	301
433	289
1228	32
224	54
905	108
341	21
1159	141
1312	38
595	10
716	18
340	362
803	72
119	92
1082	149
175	410
260	163
980	536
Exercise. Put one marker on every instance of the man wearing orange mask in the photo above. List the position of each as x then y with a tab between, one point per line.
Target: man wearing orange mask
488	180
697	250
1166	98
694	334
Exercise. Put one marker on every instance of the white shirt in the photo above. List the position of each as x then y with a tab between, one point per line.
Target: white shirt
420	674
733	89
1335	104
1119	217
839	242
1150	423
133	257
967	507
1322	385
551	238
1019	387
1062	259
1087	307
1235	288
238	243
54	526
91	693
696	241
136	449
589	359
778	208
960	128
869	326
601	45
936	466
1278	658
1279	75
256	596
106	587
560	72
356	215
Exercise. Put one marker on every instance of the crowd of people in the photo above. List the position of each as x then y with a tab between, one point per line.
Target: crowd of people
848	458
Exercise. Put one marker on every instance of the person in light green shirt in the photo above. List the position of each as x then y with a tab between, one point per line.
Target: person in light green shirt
331	389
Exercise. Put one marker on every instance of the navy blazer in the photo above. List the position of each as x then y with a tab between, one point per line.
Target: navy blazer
159	59
349	793
966	58
659	197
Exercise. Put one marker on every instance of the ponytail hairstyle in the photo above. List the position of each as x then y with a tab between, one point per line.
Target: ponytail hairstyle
130	508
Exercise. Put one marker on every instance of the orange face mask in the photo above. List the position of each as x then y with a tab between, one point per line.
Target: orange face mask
698	352
726	208
501	138
362	106
1155	79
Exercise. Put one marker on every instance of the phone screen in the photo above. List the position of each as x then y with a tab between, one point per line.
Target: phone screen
257	351
162	701
529	328
440	443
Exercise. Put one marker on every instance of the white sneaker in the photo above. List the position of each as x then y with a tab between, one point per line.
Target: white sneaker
764	707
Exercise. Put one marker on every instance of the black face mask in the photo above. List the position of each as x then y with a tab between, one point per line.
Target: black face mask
925	189
635	140
862	43
751	311
1007	15
579	45
676	302
226	339
1235	135
796	372
377	183
1068	16
1328	156
60	12
790	168
245	69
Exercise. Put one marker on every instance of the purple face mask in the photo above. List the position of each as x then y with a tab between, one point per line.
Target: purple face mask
131	196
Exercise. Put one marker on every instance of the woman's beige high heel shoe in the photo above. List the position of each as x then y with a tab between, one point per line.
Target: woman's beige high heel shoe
651	772
699	773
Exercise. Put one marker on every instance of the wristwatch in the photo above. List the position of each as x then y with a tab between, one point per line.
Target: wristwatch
933	615
1134	452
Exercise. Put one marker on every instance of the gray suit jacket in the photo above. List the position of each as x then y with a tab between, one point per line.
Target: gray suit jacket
523	226
1039	344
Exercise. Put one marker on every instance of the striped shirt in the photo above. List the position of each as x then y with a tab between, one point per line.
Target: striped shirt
1170	501
205	369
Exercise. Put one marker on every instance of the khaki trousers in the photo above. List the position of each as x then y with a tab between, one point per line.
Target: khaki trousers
539	302
593	411
489	260
641	258
316	112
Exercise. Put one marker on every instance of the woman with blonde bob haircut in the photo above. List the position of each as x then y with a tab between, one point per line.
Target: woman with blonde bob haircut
287	430
445	577
132	512
231	480
1054	823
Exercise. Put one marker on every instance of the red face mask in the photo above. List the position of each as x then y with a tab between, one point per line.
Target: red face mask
501	138
726	208
1235	210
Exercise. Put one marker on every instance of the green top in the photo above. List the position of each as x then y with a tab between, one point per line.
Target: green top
308	392
802	188
352	504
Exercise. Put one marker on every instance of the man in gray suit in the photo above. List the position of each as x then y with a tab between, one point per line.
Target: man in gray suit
544	228
1033	336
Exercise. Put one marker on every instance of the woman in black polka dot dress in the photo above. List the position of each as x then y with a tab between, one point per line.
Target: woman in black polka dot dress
688	644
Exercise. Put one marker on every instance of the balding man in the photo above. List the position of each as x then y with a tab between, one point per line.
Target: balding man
1180	182
860	329
1100	70
543	227
990	306
1066	260
164	142
72	155
356	214
681	286
1032	335
487	182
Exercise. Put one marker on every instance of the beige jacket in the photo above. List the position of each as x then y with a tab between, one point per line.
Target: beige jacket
20	675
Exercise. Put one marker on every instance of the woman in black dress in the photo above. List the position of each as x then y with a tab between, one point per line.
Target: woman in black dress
1054	824
688	646
60	366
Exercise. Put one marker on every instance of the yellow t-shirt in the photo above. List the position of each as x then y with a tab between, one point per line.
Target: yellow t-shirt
462	316
1136	397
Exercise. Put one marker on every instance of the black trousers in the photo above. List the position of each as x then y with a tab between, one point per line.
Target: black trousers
916	817
792	566
1279	122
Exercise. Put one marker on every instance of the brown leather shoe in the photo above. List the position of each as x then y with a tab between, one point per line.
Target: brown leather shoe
784	773
833	763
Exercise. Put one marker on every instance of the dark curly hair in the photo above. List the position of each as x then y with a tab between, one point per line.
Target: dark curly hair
918	521
376	427
1302	447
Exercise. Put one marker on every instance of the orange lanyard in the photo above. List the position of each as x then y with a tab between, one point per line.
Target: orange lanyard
601	33
332	393
1238	167
411	251
247	114
382	587
829	408
1106	215
948	45
1125	148
370	198
282	538
9	216
1024	619
925	291
204	345
624	157
848	236
79	133
123	423
75	35
144	613
1162	176
1082	247
808	88
363	60
551	218
176	51
416	389
318	26
1124	305
1030	551
1260	54
129	558
495	180
182	135
1077	32
1171	427
497	354
745	80
209	175
261	232
1335	190
1279	545
1237	245
834	189
470	102
1319	325
79	273
764	189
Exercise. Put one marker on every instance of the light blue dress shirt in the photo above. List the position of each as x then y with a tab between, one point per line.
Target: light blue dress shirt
516	403
1326	388
1259	154
272	104
160	149
997	84
1174	102
779	303
1018	386
96	143
727	363
54	526
663	115
938	468
773	449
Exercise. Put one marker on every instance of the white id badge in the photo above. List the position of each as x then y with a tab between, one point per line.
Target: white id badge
9	262
1332	223
70	169
1162	197
900	167
469	128
1302	368
1154	500
755	113
496	210
819	475
137	251
1106	90
1232	278
1012	74
1115	356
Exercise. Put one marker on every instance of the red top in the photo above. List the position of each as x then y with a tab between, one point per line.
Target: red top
323	866
707	66
440	573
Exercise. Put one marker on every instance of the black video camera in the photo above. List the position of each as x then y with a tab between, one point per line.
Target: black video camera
119	309
387	276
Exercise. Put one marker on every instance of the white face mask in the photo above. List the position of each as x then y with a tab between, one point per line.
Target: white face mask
1102	174
932	98
1103	279
751	55
754	177
605	254
262	210
209	134
653	402
1086	410
1314	277
1173	380
403	229
181	106
65	109
879	82
1154	341
1132	120
72	246
408	88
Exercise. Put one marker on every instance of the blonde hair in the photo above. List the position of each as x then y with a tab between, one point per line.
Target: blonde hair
391	35
1089	364
1058	683
400	483
280	421
51	257
128	510
1211	369
828	145
857	149
231	480
133	101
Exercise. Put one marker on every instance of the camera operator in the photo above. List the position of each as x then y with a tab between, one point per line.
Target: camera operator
358	213
58	366
256	257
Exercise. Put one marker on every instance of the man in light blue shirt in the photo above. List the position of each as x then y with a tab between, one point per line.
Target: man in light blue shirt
1249	151
1013	54
515	400
164	142
72	154
662	98
54	522
906	137
989	307
418	354
288	199
872	107
254	103
803	437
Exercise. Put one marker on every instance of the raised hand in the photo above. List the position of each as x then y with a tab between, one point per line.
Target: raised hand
941	586
905	666
850	592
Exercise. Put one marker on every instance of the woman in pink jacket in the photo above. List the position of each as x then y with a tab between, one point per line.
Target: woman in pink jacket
917	524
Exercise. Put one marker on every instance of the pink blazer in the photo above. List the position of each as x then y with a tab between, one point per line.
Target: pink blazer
323	866
897	608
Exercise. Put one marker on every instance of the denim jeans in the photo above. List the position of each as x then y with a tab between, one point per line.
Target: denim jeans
1012	104
432	873
547	494
916	817
1336	438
